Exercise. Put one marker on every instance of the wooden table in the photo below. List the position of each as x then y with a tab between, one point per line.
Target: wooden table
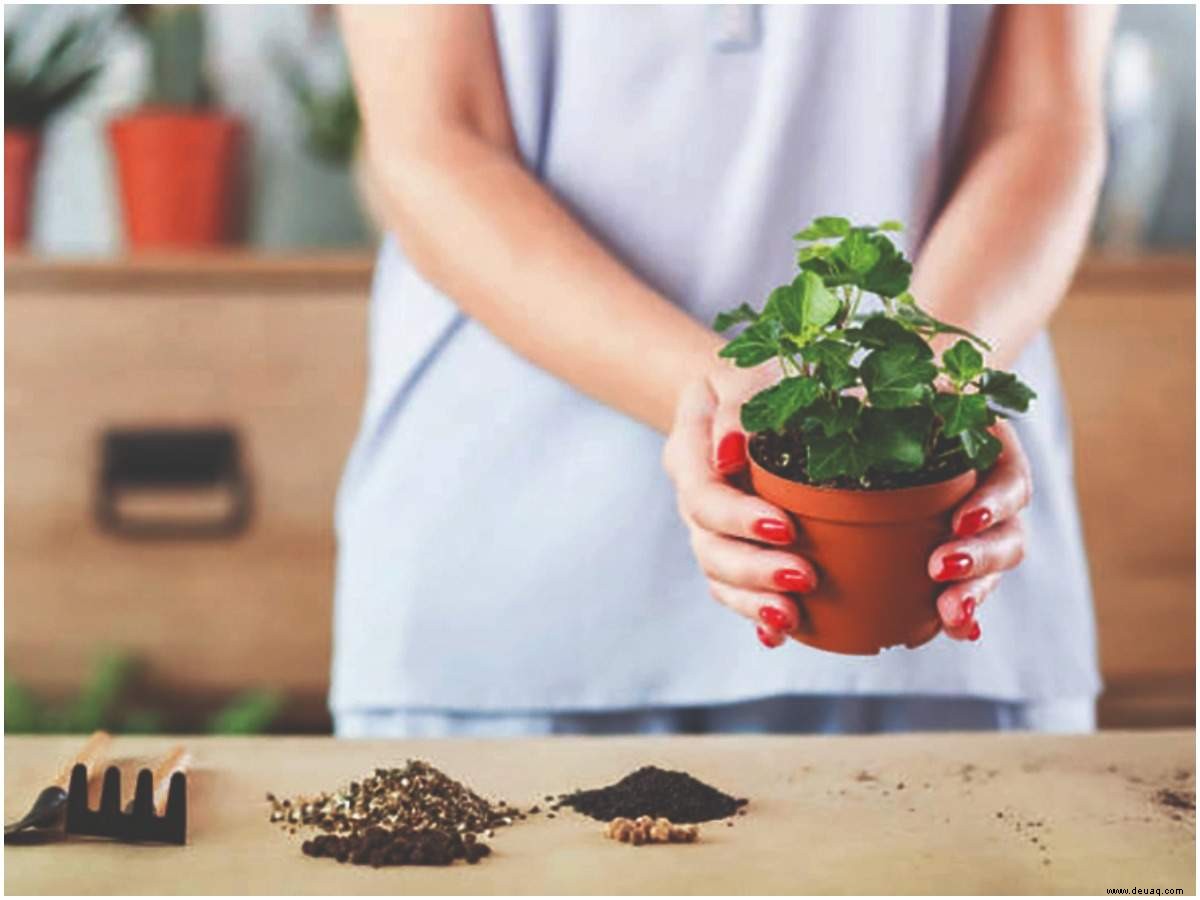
904	814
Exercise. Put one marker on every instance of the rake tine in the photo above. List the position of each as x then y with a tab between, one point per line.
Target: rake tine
110	795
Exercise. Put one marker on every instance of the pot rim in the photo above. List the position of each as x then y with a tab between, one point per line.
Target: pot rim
891	505
159	112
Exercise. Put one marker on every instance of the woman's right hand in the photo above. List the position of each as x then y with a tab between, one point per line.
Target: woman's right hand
739	539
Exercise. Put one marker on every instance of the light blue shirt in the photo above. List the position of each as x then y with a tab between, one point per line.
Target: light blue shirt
506	543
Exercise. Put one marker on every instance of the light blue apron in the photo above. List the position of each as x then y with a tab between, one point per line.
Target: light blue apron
509	546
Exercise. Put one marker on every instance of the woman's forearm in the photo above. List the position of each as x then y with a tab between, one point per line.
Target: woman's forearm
1001	255
480	228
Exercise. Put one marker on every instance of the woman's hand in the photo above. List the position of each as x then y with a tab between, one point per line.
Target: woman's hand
740	539
737	537
989	538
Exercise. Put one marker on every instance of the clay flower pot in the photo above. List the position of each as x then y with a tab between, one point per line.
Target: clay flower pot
178	173
871	550
22	147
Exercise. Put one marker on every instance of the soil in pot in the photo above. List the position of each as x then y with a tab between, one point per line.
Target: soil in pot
871	549
21	151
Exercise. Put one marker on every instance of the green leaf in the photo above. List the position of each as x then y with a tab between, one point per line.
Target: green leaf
895	439
770	410
820	305
803	307
915	317
726	320
963	362
891	272
880	332
813	251
891	225
982	447
758	343
962	412
898	376
832	361
857	253
1007	390
832	419
830	458
824	227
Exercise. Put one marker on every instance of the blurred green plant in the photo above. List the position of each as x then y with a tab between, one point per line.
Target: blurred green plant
104	701
252	712
175	35
330	117
35	91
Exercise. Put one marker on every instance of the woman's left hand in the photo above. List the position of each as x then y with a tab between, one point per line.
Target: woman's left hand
989	538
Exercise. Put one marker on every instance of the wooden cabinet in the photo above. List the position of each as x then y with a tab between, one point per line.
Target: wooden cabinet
1126	345
276	349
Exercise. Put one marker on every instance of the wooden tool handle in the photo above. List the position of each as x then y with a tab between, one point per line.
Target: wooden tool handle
178	759
90	755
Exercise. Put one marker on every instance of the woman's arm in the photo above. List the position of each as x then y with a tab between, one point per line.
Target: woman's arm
1001	255
480	228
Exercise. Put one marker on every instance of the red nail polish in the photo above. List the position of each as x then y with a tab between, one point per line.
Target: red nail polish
775	618
731	452
793	580
773	530
974	522
767	639
955	565
975	632
968	608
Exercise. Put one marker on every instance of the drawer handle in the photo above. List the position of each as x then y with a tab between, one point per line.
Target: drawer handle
155	467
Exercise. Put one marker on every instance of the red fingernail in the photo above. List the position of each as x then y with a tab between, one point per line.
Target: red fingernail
776	618
976	631
974	522
768	638
793	580
968	608
773	530
955	565
731	452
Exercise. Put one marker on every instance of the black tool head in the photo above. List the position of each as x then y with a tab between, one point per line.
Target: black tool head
141	823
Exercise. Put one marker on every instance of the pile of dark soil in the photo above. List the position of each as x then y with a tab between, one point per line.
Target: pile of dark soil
658	793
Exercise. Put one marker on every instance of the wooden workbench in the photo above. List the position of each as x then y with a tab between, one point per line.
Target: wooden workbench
903	814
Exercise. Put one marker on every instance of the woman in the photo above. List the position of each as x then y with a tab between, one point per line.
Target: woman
573	193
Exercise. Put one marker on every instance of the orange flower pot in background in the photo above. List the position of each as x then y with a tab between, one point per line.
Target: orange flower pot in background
22	147
871	550
178	174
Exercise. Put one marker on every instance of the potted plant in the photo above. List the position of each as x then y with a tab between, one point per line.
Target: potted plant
869	439
336	172
33	94
177	159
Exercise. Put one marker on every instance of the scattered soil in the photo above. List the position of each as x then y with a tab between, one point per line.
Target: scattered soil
1172	799
658	793
783	455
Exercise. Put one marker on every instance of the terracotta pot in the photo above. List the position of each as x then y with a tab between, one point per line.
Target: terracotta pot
178	173
22	147
871	550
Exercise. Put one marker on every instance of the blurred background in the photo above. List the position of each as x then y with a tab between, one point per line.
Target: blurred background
189	242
